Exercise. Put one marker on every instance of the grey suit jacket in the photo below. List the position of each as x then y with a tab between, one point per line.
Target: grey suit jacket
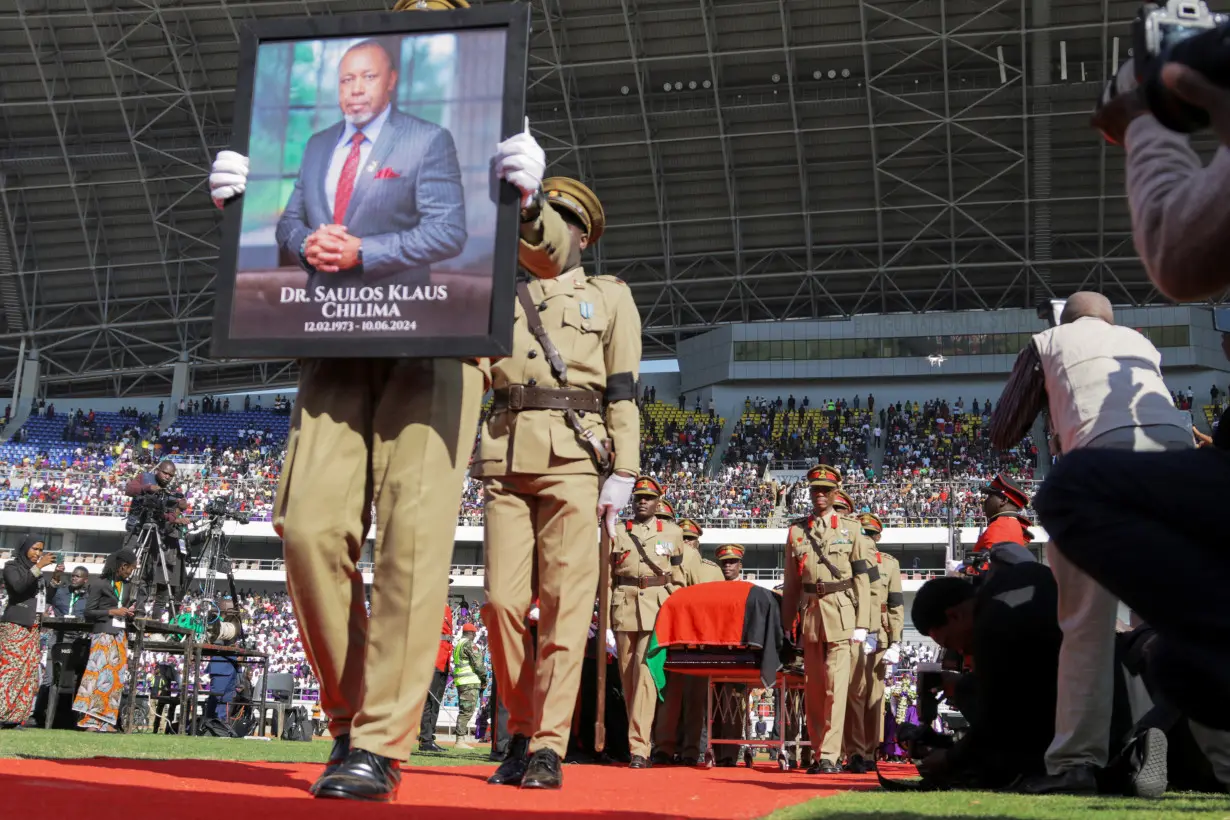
408	205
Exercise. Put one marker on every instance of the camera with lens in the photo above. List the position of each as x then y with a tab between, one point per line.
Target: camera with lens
152	508
220	507
1185	32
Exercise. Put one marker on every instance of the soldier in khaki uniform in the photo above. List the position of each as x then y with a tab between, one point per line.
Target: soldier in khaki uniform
680	728
842	503
395	433
648	563
865	707
827	562
730	722
564	415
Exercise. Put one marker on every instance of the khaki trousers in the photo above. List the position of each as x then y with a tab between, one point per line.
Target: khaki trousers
399	433
865	703
541	529
827	672
640	692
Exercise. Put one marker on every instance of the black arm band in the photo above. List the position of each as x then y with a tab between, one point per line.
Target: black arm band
873	574
860	567
620	387
896	599
676	560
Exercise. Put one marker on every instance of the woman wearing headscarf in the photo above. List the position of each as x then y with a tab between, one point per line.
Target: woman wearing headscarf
20	651
109	604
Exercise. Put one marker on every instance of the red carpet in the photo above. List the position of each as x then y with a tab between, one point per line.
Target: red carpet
115	789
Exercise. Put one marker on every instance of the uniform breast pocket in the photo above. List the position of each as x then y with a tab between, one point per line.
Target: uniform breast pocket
584	323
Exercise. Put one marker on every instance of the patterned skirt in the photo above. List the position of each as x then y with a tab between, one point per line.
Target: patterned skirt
20	654
102	685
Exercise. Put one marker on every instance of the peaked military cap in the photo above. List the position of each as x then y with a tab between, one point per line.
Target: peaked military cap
665	510
871	522
822	475
579	201
430	5
647	485
690	528
729	552
843	501
1003	485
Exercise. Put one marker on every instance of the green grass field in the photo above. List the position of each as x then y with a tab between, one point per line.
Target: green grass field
848	806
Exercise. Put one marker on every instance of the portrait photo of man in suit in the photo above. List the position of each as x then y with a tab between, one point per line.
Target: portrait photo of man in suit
379	196
369	206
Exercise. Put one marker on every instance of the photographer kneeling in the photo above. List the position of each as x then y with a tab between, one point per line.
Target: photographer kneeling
1007	627
152	503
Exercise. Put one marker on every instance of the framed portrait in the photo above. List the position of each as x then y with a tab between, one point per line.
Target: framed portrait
372	225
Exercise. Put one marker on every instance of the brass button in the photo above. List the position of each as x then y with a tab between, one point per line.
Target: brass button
542	306
533	354
532	382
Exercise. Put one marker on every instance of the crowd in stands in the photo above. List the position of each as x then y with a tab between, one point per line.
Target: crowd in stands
934	457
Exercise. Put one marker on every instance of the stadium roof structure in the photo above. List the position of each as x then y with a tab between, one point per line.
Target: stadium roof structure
760	160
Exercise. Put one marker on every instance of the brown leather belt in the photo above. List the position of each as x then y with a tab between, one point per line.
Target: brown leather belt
518	397
829	588
644	582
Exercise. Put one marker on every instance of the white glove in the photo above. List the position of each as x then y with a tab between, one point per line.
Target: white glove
610	642
859	636
892	655
229	177
615	494
521	161
534	614
870	645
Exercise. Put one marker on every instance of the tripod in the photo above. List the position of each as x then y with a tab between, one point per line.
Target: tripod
149	545
212	558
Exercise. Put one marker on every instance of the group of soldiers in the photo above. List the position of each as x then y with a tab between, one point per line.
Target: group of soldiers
559	458
842	606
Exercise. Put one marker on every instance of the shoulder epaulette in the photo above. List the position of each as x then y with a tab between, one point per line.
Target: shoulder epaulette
607	277
801	523
710	563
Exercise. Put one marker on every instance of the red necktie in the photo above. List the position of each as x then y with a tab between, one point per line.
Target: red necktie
345	183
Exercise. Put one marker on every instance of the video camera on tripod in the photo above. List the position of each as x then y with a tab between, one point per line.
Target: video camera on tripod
154	508
213	623
220	509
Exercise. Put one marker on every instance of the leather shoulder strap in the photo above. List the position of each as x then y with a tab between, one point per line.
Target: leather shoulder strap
558	366
818	549
658	571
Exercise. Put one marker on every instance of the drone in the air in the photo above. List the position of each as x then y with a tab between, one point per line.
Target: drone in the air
936	359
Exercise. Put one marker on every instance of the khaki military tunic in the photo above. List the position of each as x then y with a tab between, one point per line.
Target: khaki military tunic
634	611
831	612
865	706
541	482
682	720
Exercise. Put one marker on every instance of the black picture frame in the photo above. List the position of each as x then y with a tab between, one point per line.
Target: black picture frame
497	341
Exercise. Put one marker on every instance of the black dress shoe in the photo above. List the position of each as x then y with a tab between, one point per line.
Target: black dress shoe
663	759
341	748
362	776
513	768
543	771
824	767
430	746
639	762
856	765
